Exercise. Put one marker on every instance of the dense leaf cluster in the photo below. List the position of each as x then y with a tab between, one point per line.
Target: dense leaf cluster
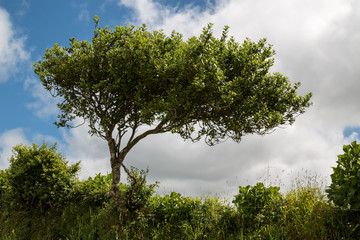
38	178
344	190
128	77
93	191
255	203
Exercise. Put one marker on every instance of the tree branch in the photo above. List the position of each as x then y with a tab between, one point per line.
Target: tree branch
158	129
78	125
133	133
128	172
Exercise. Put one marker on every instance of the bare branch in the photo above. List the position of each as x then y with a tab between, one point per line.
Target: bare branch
133	133
119	136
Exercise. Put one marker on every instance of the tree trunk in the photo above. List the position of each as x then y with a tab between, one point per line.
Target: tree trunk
115	160
114	190
117	157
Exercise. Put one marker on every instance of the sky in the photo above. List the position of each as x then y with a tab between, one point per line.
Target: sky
317	43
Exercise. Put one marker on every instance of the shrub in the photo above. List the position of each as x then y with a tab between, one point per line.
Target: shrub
3	188
175	215
39	177
255	204
344	190
136	194
135	207
3	184
93	192
173	208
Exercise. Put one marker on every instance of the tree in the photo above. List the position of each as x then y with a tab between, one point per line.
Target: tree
39	178
129	77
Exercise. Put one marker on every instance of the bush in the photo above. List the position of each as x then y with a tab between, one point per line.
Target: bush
173	208
255	204
178	217
136	194
344	190
93	192
3	186
39	177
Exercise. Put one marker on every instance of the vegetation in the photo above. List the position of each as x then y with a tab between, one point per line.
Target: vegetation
83	209
129	79
345	188
256	205
38	178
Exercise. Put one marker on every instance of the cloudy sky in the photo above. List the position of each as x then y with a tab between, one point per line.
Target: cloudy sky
317	43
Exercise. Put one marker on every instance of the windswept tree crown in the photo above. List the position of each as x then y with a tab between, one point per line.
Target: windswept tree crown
203	86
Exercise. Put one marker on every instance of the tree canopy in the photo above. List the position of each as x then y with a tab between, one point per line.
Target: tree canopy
204	86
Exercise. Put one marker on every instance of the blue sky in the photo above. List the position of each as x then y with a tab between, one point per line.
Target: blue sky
40	24
317	43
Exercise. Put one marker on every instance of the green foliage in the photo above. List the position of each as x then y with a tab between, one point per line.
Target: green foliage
258	212
344	190
303	209
173	208
136	194
92	192
38	177
128	78
178	217
304	214
255	204
131	77
3	186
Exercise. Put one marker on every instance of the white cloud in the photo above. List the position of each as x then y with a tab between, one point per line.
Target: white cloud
25	5
12	49
84	15
8	140
146	11
105	4
91	151
188	19
247	18
83	12
278	18
44	105
317	44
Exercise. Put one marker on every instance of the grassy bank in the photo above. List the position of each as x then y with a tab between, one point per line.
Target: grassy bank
42	198
257	212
